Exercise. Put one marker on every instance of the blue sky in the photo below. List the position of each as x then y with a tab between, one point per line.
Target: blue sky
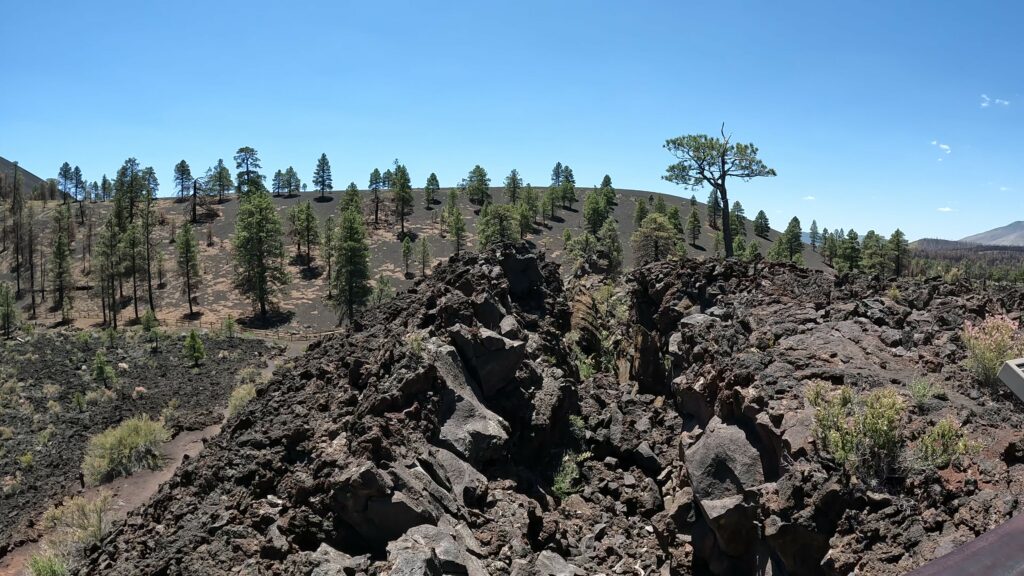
872	113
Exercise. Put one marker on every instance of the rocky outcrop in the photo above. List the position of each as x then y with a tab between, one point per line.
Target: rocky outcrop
455	435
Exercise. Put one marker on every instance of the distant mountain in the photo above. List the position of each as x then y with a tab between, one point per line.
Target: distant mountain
28	179
1009	235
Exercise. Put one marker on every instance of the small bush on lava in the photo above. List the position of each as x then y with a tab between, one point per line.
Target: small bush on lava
862	433
942	443
78	524
991	342
132	445
567	479
47	564
240	396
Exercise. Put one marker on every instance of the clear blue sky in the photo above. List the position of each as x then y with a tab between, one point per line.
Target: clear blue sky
873	109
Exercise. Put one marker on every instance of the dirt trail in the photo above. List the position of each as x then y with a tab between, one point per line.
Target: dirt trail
131	492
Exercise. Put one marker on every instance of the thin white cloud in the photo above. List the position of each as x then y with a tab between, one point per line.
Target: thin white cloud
987	102
944	209
944	148
809	198
1004	188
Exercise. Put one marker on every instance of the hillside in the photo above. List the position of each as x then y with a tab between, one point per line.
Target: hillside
1009	235
29	180
303	298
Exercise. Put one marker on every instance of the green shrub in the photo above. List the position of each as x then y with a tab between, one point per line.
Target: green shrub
249	375
240	396
942	443
567	479
132	445
415	341
47	564
26	460
228	327
990	343
81	522
921	390
194	349
102	371
864	434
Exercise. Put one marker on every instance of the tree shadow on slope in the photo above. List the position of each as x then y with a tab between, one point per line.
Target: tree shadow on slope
273	319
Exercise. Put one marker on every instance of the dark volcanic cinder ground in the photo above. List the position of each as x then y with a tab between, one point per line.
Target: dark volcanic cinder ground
430	440
44	381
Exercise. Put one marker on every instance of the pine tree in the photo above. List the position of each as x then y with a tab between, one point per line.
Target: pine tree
607	190
549	204
182	179
478	186
351	280
351	200
306	229
259	251
62	280
556	175
531	199
568	187
595	211
788	247
376	183
107	269
693	227
219	180
898	249
675	219
609	243
431	190
761	226
794	239
30	244
714	208
513	186
875	257
641	212
496	225
277	184
406	253
693	202
8	310
194	350
188	263
738	219
815	237
660	206
654	240
327	236
291	182
322	176
106	189
457	228
752	251
849	252
66	180
423	250
247	162
401	195
524	222
149	223
133	256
